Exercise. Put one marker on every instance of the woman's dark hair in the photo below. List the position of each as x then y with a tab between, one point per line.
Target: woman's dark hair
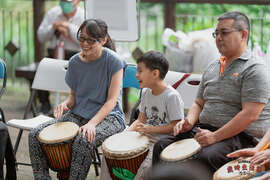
97	29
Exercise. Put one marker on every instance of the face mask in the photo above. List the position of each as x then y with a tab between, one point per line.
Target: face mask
67	7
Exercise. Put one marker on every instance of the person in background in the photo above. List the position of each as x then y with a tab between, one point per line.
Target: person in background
59	27
232	107
158	99
95	77
260	155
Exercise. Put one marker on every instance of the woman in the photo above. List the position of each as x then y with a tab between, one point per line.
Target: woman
94	76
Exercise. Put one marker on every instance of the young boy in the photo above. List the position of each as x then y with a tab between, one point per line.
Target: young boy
161	105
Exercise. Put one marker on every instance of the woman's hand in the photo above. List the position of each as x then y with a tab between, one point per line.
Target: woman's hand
58	112
260	158
247	152
88	130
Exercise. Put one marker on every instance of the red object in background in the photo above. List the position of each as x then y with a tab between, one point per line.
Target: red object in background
194	82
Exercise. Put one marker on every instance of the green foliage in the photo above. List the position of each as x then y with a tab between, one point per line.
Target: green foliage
16	24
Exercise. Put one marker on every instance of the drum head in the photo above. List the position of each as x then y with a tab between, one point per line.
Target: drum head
180	150
236	170
127	144
58	132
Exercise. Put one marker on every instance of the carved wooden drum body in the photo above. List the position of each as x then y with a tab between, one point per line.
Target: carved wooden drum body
124	152
56	141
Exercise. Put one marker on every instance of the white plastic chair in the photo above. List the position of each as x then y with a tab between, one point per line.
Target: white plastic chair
188	86
50	76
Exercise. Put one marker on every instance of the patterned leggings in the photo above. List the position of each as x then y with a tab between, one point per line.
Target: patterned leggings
82	149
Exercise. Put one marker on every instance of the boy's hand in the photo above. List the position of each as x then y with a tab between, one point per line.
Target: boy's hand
182	126
141	128
130	129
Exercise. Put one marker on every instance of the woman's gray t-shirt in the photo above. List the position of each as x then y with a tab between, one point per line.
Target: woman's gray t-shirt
91	82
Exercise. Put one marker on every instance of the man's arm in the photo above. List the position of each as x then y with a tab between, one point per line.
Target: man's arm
195	110
250	112
191	119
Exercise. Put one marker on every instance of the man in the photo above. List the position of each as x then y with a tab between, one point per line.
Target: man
60	24
232	105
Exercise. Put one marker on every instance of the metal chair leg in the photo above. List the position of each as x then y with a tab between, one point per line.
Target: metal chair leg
96	161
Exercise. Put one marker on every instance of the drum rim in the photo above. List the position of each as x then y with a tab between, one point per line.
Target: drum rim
182	157
125	154
59	140
247	176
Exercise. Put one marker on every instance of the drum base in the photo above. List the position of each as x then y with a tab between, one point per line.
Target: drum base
64	175
125	169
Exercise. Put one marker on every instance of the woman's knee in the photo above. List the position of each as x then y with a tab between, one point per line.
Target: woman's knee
82	144
33	133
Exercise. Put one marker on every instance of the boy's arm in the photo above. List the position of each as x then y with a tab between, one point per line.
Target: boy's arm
163	129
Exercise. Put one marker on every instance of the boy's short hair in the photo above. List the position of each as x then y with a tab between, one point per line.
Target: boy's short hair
155	60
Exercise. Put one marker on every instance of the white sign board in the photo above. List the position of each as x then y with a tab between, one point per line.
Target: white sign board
120	16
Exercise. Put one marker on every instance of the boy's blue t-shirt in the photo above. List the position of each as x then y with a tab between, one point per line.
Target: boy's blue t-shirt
91	82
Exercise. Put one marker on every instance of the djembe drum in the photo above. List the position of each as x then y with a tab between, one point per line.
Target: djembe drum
239	169
180	150
124	152
56	141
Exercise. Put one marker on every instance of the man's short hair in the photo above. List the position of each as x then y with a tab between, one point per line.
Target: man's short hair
155	60
241	21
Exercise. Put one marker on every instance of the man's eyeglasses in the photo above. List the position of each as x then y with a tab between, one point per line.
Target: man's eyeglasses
224	32
89	41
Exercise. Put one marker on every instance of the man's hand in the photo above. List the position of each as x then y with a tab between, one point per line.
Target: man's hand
63	31
205	137
64	24
182	126
88	129
62	27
